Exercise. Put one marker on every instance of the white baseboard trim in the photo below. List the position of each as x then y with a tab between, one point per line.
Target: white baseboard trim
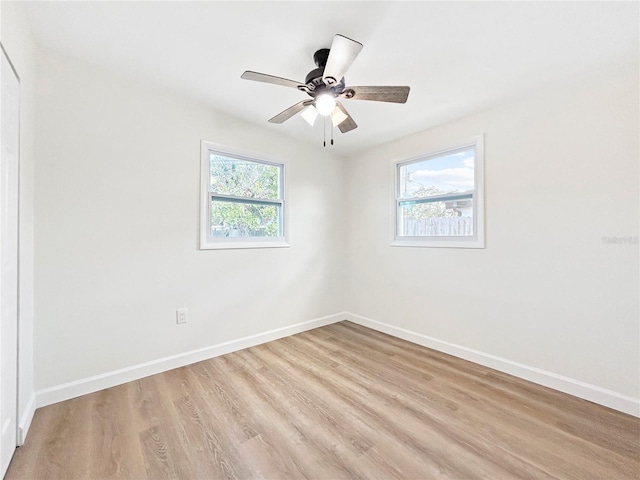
96	383
25	419
59	393
577	388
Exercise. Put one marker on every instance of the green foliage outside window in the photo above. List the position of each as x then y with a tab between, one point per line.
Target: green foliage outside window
431	209
247	180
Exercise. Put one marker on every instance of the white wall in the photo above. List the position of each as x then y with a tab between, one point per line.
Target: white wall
117	165
18	43
561	171
117	196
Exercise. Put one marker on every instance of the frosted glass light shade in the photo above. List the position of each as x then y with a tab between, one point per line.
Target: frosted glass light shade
325	104
310	114
338	116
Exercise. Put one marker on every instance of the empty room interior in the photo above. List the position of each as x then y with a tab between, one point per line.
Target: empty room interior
320	240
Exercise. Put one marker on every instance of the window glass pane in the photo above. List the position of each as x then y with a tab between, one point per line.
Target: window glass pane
439	198
235	219
243	178
436	219
447	173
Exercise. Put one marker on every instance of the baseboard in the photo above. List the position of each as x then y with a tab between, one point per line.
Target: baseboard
48	396
577	388
96	383
25	419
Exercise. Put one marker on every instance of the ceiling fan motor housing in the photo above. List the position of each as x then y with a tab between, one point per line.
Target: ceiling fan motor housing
313	80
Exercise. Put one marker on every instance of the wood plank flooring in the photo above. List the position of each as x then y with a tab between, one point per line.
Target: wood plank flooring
340	401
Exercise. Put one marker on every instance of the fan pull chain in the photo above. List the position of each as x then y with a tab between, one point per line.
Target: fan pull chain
324	129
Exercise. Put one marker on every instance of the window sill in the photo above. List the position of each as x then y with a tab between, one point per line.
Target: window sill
235	244
444	243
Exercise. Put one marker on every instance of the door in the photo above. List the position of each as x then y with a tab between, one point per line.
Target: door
9	156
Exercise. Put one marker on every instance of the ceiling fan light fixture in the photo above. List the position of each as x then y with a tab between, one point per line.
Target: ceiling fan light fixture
325	104
326	87
310	114
338	116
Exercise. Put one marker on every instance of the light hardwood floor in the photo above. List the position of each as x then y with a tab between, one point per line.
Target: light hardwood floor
340	401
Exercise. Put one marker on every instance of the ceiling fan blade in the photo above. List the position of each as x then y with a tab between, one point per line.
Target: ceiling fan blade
347	124
341	55
290	112
377	94
263	77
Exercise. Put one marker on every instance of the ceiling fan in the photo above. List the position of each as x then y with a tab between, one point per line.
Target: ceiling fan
325	85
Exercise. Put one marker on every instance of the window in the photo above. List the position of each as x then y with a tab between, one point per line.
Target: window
439	198
242	200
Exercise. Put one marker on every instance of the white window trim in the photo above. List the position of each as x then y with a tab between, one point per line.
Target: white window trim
209	243
478	240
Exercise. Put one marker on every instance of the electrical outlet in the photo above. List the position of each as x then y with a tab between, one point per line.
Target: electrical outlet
181	315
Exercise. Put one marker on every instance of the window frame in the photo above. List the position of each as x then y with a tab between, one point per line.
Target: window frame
475	241
208	242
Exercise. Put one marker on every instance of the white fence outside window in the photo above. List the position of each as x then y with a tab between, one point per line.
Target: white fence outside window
438	227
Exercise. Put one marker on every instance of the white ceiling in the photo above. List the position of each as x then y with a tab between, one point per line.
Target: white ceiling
458	57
